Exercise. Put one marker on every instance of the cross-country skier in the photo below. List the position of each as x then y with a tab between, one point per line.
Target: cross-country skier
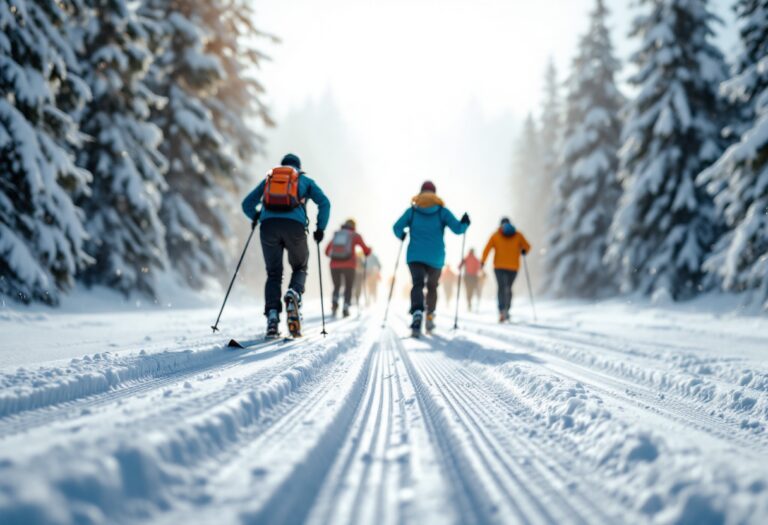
284	226
508	244
426	221
343	253
472	270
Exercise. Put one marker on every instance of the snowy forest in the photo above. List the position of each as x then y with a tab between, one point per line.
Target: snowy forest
662	190
127	125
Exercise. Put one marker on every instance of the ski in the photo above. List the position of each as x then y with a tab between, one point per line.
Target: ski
293	314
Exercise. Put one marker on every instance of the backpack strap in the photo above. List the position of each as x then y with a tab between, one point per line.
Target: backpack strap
303	201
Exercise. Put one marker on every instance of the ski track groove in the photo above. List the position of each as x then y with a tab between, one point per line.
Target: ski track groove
31	419
293	498
671	407
550	493
473	503
368	443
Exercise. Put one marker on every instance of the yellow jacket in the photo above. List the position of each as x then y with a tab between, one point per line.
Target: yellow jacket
508	250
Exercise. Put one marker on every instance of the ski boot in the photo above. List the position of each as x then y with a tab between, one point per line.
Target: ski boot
430	324
292	301
273	324
345	311
416	324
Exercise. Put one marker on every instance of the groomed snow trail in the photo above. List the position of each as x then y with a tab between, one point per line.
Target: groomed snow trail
634	418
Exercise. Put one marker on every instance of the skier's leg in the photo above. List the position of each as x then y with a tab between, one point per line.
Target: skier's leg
418	275
295	240
512	277
336	277
501	295
433	281
272	248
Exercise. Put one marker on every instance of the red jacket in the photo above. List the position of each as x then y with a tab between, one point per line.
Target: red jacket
351	263
471	265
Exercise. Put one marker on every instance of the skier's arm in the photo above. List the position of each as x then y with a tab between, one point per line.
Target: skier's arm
361	243
453	223
323	205
487	250
328	249
400	225
525	245
252	200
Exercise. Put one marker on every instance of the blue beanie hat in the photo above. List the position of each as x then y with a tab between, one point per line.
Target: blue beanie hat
291	160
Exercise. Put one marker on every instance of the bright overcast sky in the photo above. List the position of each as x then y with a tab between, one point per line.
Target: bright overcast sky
426	58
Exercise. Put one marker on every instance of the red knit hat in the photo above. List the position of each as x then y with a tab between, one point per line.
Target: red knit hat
428	186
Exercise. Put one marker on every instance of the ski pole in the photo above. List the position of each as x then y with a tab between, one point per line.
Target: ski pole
461	272
322	298
215	326
530	290
392	286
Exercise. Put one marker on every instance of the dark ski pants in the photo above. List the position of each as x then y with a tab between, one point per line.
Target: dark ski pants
505	280
345	277
277	236
423	275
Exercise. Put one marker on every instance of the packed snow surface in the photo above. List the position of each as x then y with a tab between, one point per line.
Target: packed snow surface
594	413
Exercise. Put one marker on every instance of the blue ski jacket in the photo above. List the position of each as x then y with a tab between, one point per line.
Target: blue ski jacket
427	219
308	189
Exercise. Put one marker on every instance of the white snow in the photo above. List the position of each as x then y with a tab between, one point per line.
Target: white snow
608	412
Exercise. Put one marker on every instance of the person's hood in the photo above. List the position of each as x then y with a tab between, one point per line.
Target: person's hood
507	230
428	202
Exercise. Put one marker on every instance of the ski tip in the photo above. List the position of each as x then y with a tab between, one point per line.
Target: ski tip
234	344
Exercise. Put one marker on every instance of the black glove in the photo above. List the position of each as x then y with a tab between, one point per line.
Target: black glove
318	235
403	236
256	217
525	252
465	219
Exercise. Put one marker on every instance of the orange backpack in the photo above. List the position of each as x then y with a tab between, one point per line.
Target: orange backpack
281	191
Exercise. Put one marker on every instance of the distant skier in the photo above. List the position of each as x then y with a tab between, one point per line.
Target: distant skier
426	221
284	226
373	278
449	279
472	270
343	253
508	244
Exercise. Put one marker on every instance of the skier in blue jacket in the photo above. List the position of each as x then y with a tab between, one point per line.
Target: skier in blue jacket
426	221
287	231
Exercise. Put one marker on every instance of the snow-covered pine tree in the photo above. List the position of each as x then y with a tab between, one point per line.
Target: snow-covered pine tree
527	171
587	188
550	142
526	181
238	103
665	222
193	208
127	237
739	179
41	230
